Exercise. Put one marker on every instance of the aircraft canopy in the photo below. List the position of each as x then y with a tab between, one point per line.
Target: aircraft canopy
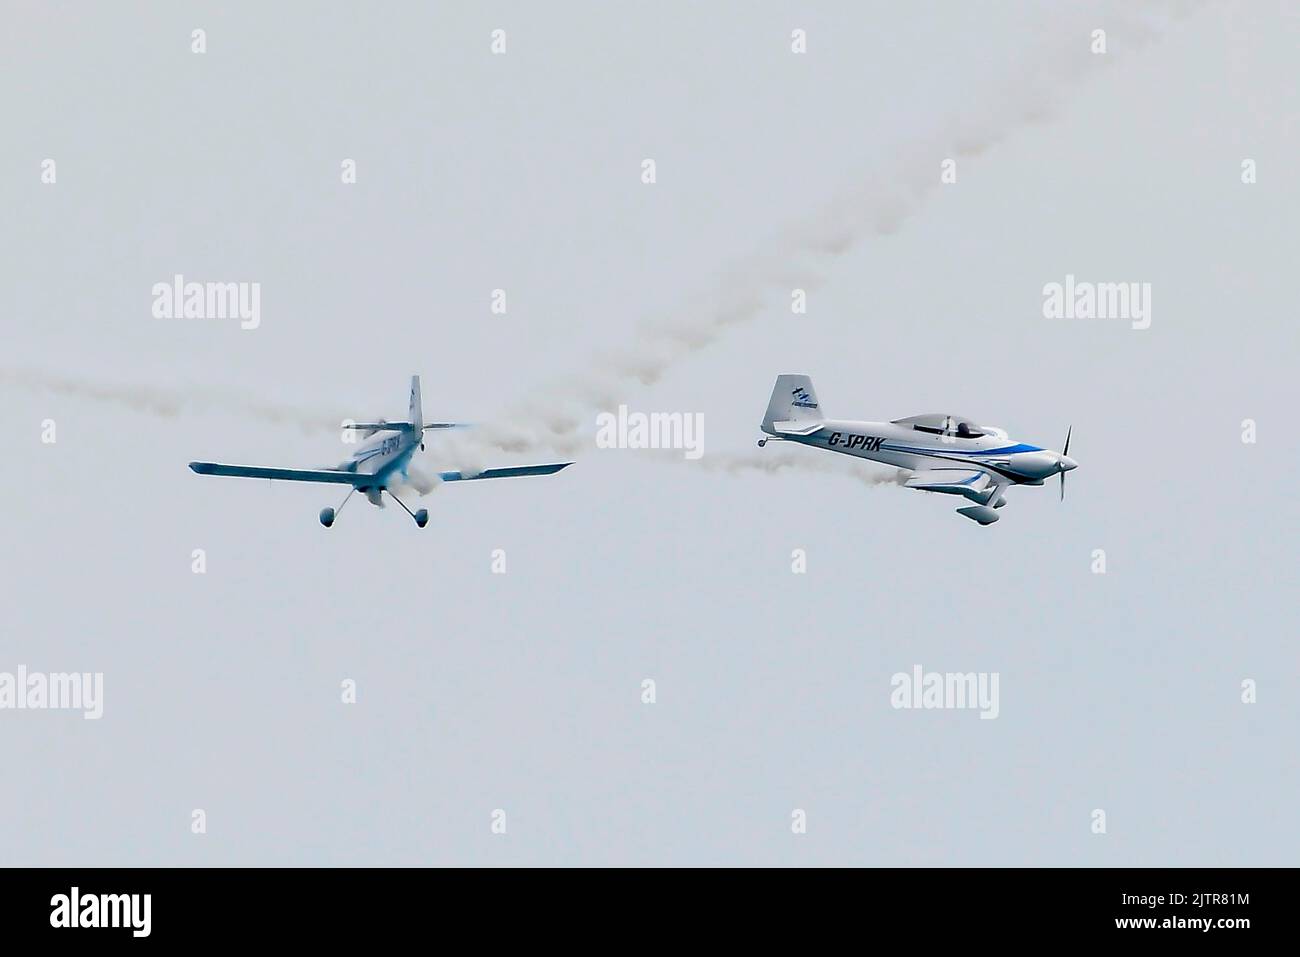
939	423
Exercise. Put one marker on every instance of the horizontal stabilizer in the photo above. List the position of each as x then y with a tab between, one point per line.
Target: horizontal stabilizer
796	427
512	472
380	426
285	475
445	425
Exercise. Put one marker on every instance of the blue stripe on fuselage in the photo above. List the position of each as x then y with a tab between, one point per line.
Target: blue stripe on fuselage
1005	450
960	456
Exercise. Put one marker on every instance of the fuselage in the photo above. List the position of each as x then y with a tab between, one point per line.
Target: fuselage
906	447
383	455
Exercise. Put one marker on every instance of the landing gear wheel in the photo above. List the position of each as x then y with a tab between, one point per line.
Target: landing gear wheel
421	517
327	517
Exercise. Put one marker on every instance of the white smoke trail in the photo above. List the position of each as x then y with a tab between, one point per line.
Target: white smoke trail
779	460
810	461
555	419
417	481
169	403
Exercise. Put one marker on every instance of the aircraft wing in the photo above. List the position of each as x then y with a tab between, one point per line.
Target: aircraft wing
361	479
512	472
985	489
287	475
969	482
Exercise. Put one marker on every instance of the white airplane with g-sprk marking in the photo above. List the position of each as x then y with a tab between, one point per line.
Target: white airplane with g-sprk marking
945	453
377	465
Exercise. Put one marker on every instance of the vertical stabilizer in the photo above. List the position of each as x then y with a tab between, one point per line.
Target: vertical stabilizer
793	406
416	414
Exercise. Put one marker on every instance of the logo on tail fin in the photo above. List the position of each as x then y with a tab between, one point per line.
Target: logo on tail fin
802	399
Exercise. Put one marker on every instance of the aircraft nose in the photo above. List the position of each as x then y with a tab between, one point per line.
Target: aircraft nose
1068	464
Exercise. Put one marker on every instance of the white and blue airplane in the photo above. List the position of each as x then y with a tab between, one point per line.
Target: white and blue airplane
944	453
377	465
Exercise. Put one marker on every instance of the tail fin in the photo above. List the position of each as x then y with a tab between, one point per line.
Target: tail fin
416	414
793	406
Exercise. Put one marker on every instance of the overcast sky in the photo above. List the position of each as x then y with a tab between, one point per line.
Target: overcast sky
522	691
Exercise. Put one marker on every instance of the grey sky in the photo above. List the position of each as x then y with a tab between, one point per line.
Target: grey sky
522	691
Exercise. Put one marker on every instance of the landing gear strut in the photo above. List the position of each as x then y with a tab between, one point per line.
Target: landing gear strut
327	515
421	516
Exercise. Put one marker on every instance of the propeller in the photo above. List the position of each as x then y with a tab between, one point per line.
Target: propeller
1065	451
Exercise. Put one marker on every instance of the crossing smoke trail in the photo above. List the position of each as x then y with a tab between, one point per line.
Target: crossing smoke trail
559	419
801	254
